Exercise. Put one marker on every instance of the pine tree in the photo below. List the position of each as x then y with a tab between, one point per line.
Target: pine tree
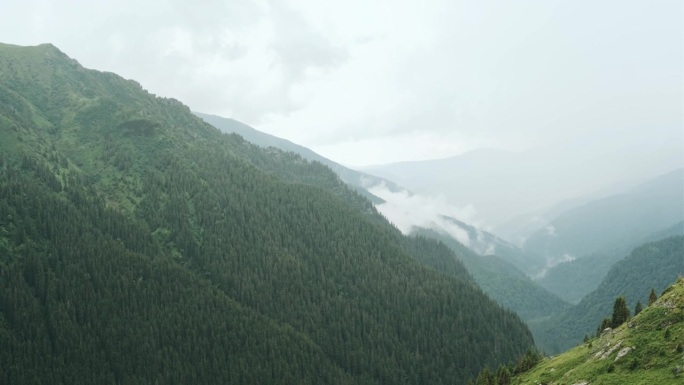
652	297
620	312
485	377
503	375
606	323
638	308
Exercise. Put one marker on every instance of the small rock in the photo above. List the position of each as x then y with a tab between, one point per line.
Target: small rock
581	383
606	331
623	352
611	350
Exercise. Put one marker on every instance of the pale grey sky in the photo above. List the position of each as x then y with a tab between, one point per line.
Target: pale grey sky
368	82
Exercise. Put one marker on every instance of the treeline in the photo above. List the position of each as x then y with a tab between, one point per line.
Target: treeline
505	372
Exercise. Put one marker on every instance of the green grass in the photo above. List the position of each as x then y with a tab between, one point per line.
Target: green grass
655	355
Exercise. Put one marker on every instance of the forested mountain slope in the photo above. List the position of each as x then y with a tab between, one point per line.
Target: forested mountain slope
503	282
653	265
359	180
139	244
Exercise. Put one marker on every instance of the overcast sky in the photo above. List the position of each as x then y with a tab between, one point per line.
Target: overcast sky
367	82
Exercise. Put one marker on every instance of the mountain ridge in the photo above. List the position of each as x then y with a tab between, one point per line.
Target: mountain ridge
359	180
502	185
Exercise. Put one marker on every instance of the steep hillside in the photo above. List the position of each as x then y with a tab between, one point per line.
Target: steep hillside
86	296
138	244
652	265
644	350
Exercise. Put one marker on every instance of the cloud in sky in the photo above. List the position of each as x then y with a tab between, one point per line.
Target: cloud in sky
409	211
447	76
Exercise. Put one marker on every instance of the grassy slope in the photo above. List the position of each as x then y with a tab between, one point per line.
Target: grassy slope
652	361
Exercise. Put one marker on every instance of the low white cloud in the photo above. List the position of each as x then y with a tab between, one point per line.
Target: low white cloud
551	230
408	211
486	246
553	262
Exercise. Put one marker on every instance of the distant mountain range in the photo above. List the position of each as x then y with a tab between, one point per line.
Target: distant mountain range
590	238
653	265
503	185
614	221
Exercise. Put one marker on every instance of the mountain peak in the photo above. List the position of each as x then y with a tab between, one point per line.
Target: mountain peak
43	47
37	56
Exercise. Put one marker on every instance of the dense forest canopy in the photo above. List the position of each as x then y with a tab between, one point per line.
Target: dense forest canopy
138	244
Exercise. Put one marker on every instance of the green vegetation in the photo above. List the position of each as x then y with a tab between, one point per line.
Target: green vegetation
138	244
620	312
652	297
359	181
638	308
652	265
503	375
637	352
